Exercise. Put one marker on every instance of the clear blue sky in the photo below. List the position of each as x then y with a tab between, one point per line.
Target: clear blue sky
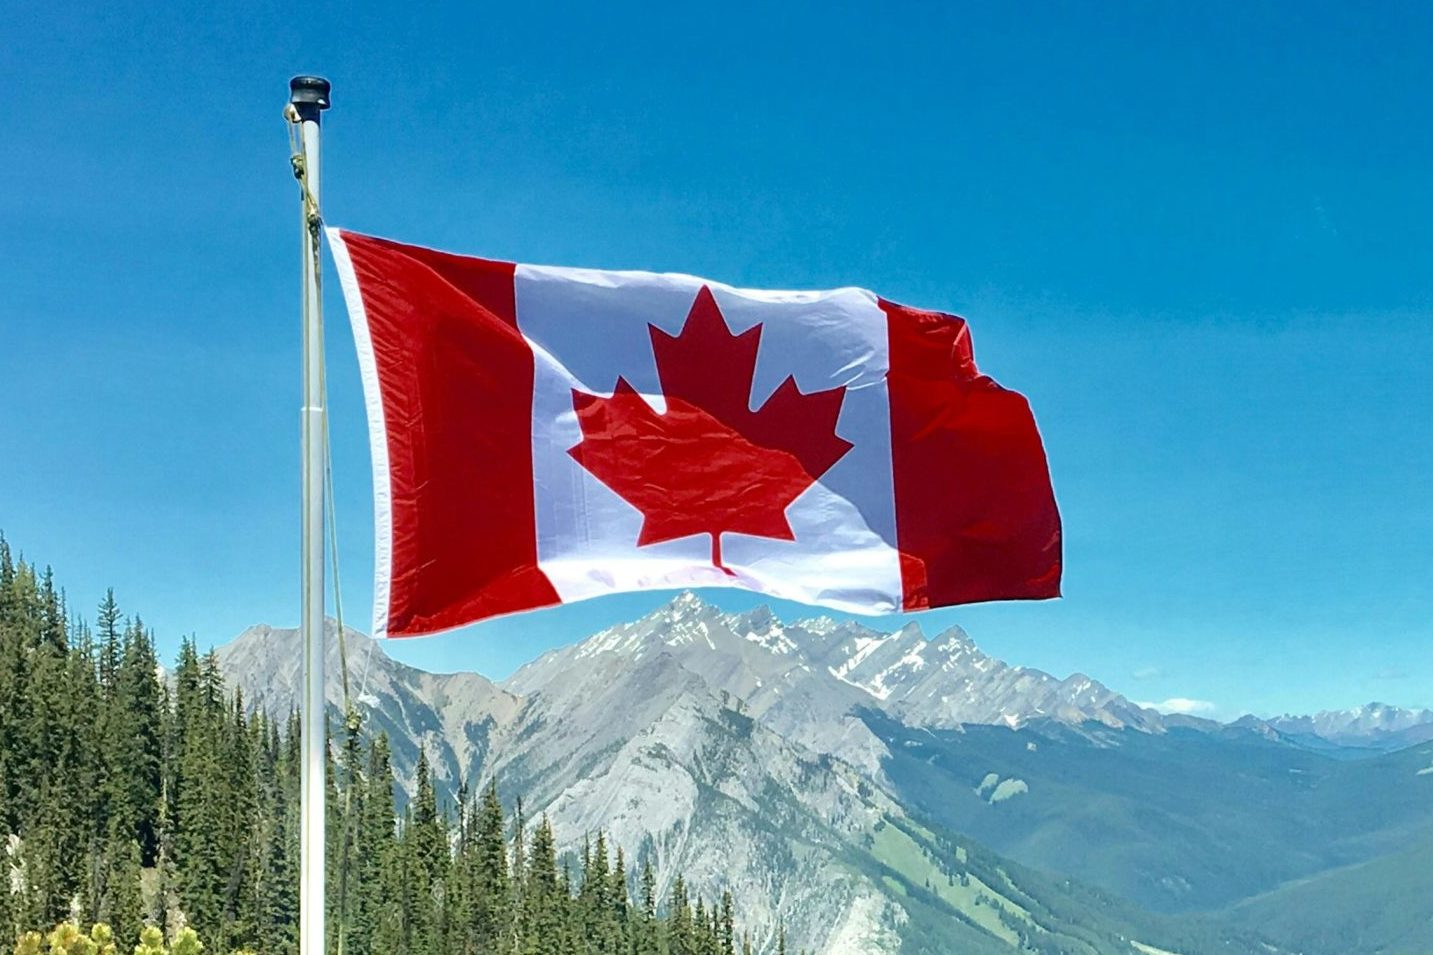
1198	237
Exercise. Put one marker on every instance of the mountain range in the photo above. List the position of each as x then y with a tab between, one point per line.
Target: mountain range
880	792
1372	726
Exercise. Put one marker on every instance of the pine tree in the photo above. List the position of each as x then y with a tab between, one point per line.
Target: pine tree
621	905
122	907
349	812
726	931
519	874
427	842
104	774
276	888
241	848
701	927
108	630
491	890
9	927
544	899
597	909
644	922
55	787
374	848
202	852
14	698
139	713
681	939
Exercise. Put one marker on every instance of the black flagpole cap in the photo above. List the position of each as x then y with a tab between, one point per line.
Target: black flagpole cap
309	94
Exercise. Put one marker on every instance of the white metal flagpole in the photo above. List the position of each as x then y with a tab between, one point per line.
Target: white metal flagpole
308	97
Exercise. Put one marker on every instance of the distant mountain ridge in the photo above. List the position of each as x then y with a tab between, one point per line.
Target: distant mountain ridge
816	670
1373	725
821	770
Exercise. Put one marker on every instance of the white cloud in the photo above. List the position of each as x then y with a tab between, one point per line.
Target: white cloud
1149	673
1181	705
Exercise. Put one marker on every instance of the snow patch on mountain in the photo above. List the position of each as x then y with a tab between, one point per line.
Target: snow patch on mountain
815	671
993	789
732	747
1376	725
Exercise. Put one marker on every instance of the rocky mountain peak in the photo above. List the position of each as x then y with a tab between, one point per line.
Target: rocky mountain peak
810	673
685	605
1380	725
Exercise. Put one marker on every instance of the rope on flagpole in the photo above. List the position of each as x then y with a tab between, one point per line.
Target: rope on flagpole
296	160
313	220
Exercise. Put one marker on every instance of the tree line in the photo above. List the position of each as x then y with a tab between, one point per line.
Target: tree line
131	800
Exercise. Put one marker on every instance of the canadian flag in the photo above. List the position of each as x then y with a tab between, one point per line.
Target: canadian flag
541	435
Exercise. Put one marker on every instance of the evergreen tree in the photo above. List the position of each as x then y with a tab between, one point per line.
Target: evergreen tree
543	898
108	631
241	847
519	874
349	810
426	842
644	927
202	854
9	927
374	849
277	875
142	806
620	903
139	717
681	939
122	907
491	890
726	925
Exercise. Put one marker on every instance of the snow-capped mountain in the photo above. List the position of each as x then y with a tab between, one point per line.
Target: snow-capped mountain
808	767
805	677
724	746
1374	725
805	680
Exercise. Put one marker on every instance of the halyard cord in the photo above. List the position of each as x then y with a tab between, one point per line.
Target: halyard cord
313	221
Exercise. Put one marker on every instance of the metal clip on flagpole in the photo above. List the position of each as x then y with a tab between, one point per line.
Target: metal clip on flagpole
308	97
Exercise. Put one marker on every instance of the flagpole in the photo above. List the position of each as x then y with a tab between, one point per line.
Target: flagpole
309	96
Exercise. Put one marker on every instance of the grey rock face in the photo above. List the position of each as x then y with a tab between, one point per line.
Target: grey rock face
724	746
453	715
803	678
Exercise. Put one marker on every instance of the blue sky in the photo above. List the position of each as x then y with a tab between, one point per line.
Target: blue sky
1196	236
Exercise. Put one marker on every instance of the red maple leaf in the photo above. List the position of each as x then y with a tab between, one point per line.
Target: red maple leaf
709	464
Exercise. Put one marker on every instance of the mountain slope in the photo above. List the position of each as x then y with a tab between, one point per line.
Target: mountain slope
820	770
640	745
686	775
1380	907
1180	821
454	715
800	839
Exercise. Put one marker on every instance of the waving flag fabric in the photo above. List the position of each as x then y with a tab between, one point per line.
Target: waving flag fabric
541	435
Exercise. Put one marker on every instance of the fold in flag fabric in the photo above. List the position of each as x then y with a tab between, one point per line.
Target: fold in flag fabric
541	435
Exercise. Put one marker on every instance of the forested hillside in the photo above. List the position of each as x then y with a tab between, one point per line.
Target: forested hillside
132	800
